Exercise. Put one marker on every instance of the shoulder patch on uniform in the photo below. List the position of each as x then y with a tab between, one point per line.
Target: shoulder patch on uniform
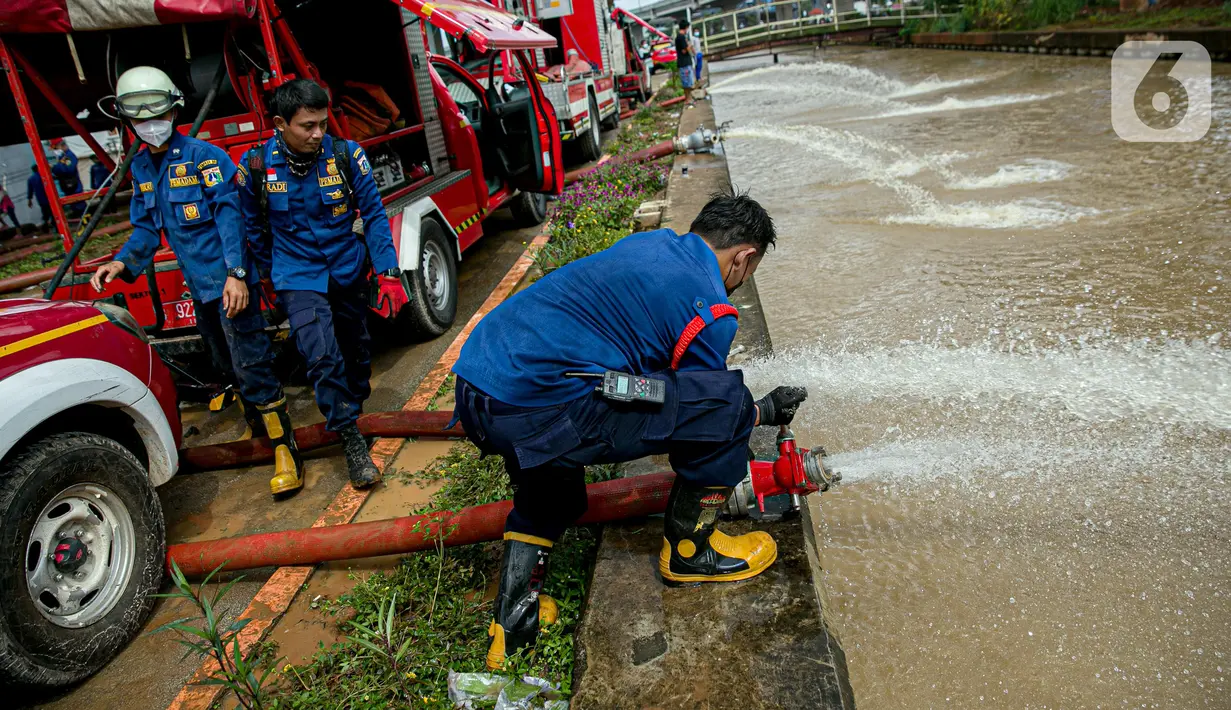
212	176
358	152
330	181
146	187
279	186
364	167
206	163
241	175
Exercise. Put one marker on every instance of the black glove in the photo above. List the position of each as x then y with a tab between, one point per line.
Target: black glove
778	407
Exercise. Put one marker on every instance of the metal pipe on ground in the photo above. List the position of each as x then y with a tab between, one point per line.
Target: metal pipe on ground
654	151
19	242
669	102
19	254
401	423
608	501
26	280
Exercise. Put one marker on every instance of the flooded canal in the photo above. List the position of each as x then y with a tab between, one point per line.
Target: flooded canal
1013	325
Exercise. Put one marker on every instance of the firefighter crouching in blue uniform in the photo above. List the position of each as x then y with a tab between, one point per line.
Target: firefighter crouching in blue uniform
186	188
652	304
300	192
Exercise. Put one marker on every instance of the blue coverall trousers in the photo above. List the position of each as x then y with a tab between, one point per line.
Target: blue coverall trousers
704	427
240	349
331	332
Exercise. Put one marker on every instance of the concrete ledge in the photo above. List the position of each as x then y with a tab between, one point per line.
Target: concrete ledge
1094	42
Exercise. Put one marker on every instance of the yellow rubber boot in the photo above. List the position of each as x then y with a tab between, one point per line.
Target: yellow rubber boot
520	608
288	467
694	551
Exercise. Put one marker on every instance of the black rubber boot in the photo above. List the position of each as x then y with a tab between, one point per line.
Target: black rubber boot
256	427
693	551
520	608
288	467
363	473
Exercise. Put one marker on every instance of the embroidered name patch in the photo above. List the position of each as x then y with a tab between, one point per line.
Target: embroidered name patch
146	187
275	187
330	181
185	181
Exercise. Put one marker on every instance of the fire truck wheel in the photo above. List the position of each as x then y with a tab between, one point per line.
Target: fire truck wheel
529	209
612	123
82	546
433	305
590	147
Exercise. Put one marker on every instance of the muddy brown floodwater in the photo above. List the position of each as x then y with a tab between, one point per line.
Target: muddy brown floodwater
1013	327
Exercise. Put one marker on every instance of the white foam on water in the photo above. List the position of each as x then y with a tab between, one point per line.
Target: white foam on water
1173	382
951	103
1031	170
1029	213
860	158
871	83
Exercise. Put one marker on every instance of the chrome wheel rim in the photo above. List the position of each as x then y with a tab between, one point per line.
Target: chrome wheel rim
72	595
435	276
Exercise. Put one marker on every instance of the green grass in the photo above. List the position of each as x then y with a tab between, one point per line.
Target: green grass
1022	15
440	609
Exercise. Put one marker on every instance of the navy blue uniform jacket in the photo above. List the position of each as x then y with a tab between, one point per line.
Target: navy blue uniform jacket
621	309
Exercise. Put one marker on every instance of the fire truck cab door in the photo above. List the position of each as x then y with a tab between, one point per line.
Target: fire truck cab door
522	131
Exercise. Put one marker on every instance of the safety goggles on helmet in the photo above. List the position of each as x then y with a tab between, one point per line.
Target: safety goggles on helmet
146	104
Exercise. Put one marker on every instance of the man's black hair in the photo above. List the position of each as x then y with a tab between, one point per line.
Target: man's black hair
296	94
683	24
730	219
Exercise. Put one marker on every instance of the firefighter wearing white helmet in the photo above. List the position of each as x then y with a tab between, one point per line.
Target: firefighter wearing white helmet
185	188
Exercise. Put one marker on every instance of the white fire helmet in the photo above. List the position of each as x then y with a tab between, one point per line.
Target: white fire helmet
146	92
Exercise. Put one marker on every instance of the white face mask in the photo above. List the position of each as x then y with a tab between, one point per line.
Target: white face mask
154	132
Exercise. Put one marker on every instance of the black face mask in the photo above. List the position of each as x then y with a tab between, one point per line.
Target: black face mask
732	289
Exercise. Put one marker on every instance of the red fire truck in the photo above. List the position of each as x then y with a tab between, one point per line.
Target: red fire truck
446	150
591	100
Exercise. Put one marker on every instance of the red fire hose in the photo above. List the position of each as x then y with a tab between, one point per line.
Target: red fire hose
610	500
655	151
26	280
19	254
392	424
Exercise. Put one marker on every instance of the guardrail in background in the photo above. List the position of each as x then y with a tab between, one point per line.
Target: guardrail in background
757	25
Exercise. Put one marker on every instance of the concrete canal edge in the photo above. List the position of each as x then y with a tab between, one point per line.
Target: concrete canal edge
763	643
1094	42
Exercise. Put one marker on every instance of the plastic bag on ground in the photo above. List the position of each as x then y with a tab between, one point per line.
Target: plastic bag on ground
472	691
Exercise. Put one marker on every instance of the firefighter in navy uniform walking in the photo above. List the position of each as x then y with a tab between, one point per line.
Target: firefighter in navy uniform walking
654	304
300	192
186	188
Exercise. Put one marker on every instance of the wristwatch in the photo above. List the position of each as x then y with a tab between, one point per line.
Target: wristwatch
238	272
393	273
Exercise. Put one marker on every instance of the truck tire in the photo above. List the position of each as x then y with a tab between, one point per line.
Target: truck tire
529	209
613	123
82	544
433	298
590	148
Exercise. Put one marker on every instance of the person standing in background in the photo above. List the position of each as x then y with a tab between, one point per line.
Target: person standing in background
35	191
7	208
696	51
683	60
99	176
